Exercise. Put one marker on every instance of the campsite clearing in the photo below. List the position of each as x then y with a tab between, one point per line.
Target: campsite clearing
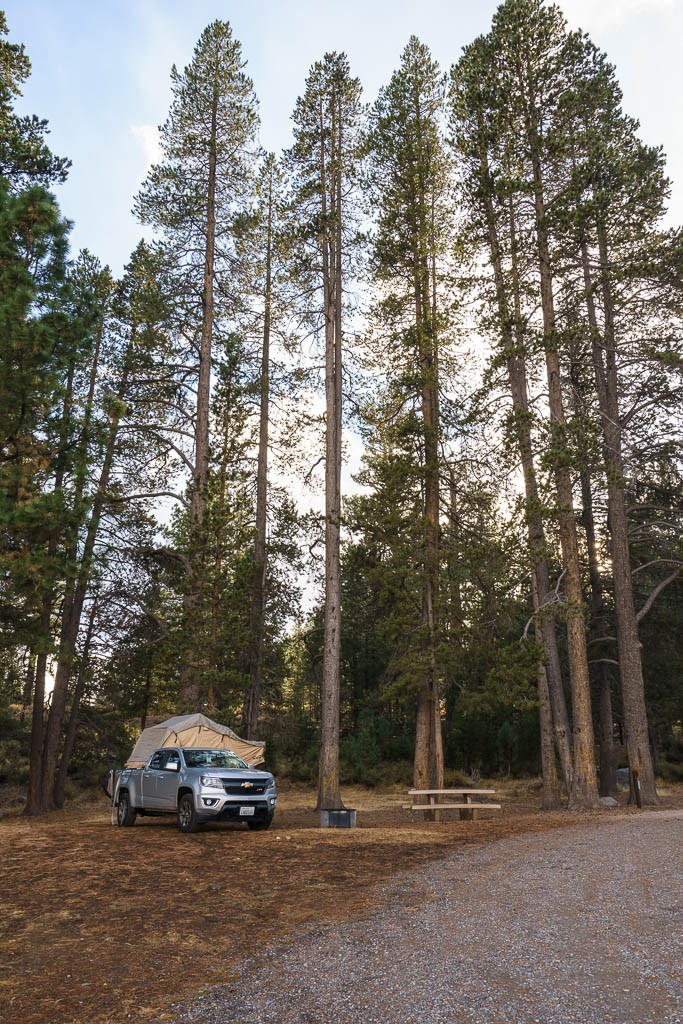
104	926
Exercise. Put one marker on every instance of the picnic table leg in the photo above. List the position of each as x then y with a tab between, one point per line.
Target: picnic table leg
434	800
467	814
432	814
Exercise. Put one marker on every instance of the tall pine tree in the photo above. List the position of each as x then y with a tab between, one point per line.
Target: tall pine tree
193	196
323	162
408	177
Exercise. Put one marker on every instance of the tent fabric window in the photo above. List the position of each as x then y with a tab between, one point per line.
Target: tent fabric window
193	731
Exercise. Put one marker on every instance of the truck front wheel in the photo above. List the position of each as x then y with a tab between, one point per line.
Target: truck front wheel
261	826
187	816
125	813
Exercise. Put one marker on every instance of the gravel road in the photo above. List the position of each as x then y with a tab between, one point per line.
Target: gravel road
579	926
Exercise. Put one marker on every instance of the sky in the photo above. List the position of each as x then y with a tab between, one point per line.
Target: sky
101	76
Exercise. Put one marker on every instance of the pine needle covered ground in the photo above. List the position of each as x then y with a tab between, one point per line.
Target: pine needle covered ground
102	925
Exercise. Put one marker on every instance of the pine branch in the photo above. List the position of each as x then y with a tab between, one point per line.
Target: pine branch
656	592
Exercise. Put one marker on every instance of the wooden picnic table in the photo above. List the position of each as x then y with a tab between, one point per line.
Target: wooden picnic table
456	800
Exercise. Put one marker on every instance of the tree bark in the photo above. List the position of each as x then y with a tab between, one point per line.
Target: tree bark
34	796
29	683
584	790
513	345
428	765
550	800
551	788
72	725
428	769
253	696
608	778
329	795
72	612
628	642
190	682
45	735
74	596
607	764
517	375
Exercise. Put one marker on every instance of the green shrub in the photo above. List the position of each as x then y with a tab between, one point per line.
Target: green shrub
14	745
671	771
454	778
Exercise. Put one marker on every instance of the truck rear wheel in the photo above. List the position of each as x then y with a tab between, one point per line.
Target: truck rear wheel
187	816
125	813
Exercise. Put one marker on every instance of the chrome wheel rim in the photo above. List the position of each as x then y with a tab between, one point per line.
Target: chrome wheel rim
185	814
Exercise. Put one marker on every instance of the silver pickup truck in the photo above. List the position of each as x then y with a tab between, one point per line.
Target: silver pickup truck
197	784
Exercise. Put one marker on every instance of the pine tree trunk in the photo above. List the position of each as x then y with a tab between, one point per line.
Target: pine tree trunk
551	789
608	762
608	779
34	796
190	694
536	532
43	759
550	800
584	791
253	697
74	596
428	768
146	693
428	765
513	343
29	683
72	725
628	643
71	619
329	795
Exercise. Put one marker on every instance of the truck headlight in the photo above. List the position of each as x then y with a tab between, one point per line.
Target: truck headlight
211	782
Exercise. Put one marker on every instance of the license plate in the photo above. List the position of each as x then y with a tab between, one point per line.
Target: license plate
247	812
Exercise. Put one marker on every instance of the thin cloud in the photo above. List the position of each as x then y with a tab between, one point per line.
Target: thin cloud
147	136
610	13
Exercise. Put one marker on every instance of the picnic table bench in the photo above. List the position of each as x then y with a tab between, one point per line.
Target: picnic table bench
455	800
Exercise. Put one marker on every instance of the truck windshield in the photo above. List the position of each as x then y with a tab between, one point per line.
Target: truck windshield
212	759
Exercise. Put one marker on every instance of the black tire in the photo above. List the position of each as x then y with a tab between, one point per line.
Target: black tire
125	812
187	816
260	826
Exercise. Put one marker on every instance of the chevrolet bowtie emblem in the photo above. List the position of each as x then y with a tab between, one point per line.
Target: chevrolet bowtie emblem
247	785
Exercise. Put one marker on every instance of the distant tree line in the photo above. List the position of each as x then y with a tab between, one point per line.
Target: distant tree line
470	276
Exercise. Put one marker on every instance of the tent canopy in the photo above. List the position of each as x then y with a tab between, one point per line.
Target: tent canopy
193	731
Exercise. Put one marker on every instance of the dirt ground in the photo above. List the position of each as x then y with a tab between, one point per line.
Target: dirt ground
102	925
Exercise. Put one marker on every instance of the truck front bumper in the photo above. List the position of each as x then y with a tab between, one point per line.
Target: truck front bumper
214	808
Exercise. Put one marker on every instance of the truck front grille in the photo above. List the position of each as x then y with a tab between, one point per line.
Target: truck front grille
233	788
